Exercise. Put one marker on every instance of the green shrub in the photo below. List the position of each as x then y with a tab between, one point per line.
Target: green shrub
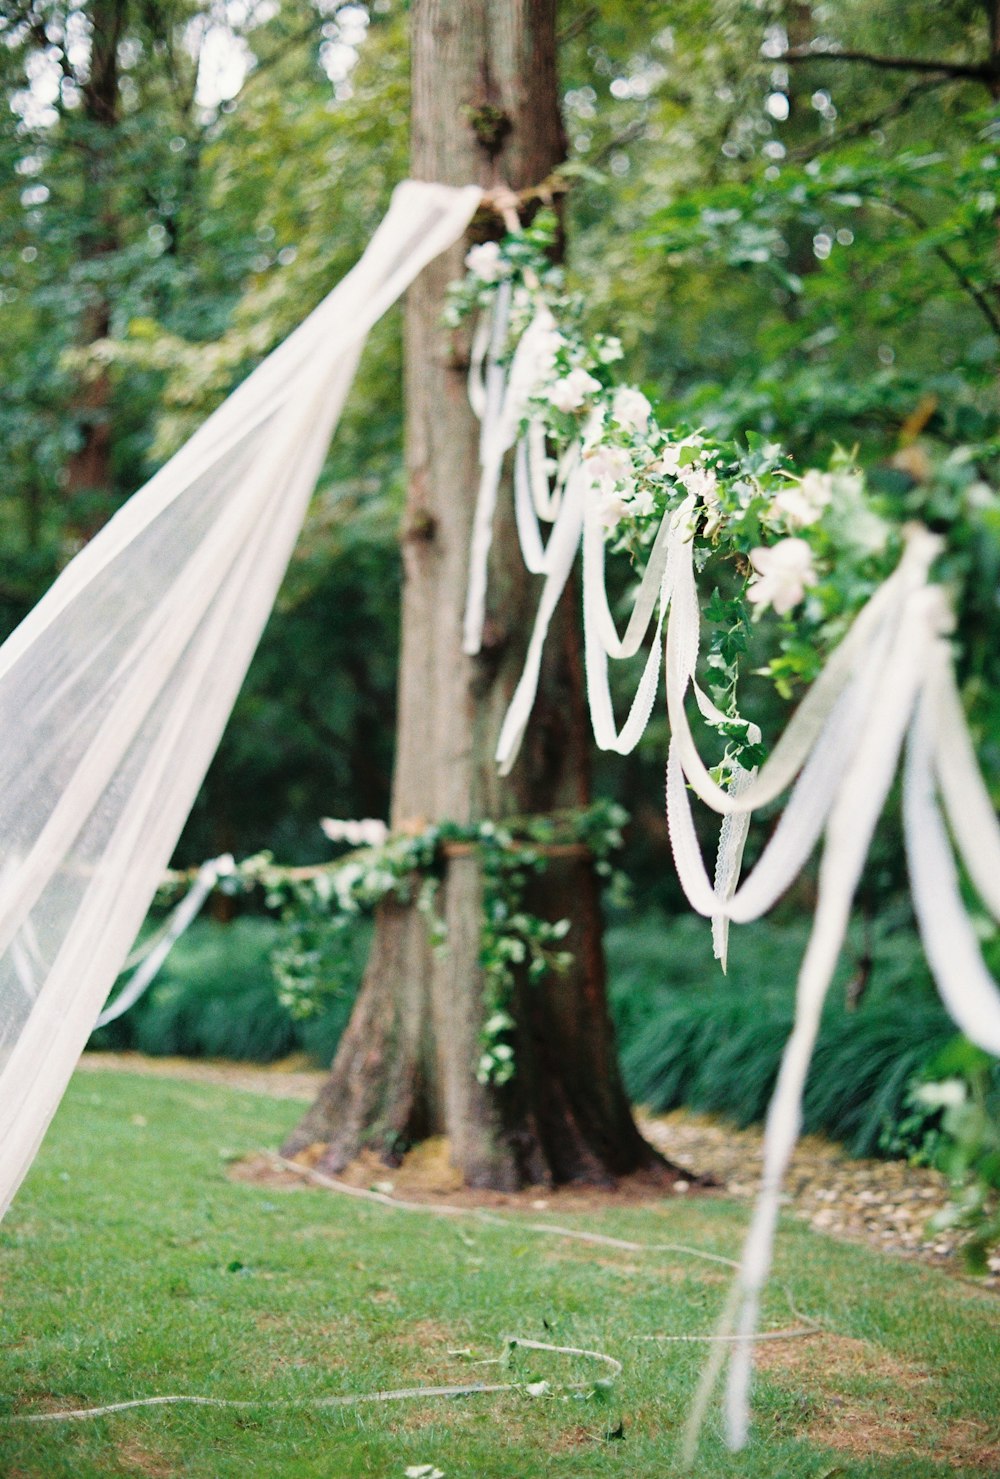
690	1036
215	997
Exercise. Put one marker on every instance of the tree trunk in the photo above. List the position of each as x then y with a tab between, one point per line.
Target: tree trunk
88	470
485	107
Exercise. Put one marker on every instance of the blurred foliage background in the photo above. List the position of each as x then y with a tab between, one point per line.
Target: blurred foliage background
789	242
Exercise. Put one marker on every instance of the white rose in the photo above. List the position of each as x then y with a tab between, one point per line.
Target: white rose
485	262
611	509
701	481
570	393
782	574
609	465
631	409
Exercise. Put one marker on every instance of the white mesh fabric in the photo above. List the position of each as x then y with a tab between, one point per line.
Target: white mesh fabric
115	690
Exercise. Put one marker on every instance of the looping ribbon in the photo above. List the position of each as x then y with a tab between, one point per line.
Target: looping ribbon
889	683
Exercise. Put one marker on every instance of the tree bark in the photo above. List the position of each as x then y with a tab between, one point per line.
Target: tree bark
485	108
88	470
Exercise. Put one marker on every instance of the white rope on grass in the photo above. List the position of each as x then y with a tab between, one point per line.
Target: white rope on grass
382	1199
353	1399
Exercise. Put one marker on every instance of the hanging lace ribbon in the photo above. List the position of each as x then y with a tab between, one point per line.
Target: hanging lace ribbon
500	401
151	960
560	555
939	753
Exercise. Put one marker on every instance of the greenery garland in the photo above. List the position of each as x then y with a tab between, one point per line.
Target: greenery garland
811	546
317	905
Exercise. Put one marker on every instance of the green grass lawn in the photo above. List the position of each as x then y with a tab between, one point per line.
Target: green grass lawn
130	1265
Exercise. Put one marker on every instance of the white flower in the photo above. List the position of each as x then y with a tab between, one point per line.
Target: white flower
608	465
549	345
366	833
611	509
783	573
798	507
570	393
485	262
642	503
701	481
669	460
631	409
610	350
947	1093
816	487
593	429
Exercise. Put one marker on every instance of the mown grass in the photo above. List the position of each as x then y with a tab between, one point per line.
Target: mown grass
130	1265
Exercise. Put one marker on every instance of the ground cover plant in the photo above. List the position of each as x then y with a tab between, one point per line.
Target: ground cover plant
713	1046
132	1264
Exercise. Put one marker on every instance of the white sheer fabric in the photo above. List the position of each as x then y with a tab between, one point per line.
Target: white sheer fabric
115	690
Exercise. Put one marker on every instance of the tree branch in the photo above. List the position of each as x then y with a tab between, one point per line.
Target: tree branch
985	72
577	25
954	267
864	126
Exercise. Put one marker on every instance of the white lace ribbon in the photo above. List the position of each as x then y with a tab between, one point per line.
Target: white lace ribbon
560	555
504	401
967	989
149	966
849	830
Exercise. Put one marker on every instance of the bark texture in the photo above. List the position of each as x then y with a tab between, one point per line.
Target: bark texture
485	108
88	471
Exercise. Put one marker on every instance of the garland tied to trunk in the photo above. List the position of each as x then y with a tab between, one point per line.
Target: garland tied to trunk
318	905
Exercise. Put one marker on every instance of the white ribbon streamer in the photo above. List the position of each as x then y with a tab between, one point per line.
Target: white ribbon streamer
505	402
561	553
848	836
967	989
152	962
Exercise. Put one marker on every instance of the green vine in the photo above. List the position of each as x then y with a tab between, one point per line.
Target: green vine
317	906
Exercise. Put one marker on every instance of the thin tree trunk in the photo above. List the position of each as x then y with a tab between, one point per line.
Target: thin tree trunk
484	108
88	470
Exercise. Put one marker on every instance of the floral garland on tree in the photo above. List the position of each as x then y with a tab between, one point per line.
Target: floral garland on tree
861	617
317	906
810	545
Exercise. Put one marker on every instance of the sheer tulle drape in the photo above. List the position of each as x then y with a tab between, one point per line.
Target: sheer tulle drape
115	690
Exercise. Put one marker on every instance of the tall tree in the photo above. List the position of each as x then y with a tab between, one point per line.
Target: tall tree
485	108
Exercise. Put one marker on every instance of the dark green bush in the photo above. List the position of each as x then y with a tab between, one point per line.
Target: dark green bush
215	998
689	1035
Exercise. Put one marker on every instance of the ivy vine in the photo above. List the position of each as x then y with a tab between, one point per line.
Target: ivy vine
318	905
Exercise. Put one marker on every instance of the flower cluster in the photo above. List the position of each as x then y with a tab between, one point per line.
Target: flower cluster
809	546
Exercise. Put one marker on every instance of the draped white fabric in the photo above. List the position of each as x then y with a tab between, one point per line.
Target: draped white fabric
115	690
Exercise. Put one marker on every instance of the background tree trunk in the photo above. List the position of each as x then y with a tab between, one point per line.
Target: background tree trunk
485	108
88	471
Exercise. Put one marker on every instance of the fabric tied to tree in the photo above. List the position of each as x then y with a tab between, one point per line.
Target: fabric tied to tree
115	690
